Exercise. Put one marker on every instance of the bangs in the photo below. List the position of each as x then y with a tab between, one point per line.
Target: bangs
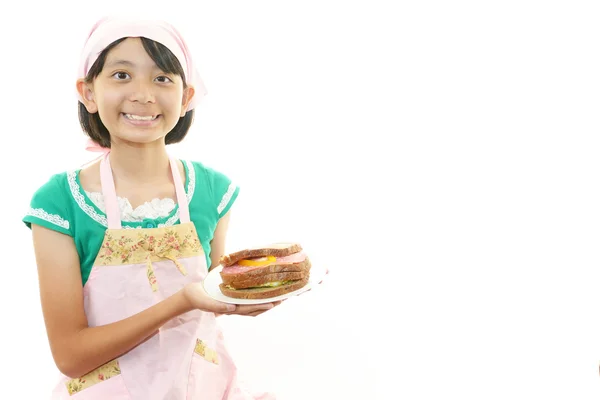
159	53
164	58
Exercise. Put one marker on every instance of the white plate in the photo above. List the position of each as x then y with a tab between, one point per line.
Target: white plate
213	280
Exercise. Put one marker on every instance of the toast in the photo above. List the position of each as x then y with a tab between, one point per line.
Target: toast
276	250
260	273
263	292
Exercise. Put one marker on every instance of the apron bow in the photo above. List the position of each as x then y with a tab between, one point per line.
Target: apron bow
166	249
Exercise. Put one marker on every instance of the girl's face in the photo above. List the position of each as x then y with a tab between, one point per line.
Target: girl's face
137	102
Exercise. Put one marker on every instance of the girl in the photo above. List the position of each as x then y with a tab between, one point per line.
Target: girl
123	245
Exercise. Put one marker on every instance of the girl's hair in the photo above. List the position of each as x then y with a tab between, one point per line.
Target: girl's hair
167	62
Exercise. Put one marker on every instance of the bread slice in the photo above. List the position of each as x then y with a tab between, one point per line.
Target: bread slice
275	249
261	280
235	275
263	293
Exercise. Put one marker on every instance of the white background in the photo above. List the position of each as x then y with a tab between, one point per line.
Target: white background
441	158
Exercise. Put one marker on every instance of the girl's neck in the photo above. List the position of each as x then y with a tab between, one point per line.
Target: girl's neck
140	164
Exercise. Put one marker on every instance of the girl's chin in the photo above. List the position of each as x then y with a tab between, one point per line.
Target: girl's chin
135	139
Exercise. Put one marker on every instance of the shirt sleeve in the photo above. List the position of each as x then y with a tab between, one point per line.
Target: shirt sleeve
224	191
48	208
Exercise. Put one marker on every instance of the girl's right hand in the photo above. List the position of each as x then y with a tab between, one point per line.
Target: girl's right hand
199	299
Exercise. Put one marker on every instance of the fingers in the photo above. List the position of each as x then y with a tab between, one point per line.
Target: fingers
256	313
249	309
253	310
219	307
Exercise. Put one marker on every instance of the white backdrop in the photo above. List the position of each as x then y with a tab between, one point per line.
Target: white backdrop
441	158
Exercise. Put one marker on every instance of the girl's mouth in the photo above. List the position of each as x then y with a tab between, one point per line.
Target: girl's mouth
140	117
140	120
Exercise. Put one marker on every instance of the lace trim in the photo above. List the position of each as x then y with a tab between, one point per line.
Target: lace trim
192	181
157	208
101	219
226	198
52	218
80	200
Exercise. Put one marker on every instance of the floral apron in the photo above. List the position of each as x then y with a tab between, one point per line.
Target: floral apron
135	269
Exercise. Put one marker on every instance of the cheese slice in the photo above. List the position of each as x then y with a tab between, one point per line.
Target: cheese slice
257	262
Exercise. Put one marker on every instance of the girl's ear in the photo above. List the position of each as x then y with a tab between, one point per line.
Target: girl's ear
188	94
87	94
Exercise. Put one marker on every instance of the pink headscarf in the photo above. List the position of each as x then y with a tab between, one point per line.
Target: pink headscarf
109	29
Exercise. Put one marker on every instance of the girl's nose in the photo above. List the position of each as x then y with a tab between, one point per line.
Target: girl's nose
142	93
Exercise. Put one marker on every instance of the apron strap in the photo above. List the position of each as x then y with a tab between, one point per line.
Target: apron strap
113	212
184	210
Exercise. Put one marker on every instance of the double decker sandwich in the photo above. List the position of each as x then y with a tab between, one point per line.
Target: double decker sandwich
264	272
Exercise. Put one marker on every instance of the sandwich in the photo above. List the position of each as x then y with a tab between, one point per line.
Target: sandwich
264	272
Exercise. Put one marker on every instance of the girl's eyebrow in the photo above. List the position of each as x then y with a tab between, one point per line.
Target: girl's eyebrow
120	62
126	63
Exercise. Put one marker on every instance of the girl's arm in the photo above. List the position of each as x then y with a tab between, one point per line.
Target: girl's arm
77	348
217	245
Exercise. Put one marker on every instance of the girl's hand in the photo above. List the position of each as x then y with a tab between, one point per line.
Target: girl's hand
252	310
197	298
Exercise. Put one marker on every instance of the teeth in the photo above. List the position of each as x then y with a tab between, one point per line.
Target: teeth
139	118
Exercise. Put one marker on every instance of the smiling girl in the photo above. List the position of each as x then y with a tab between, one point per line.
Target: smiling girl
123	245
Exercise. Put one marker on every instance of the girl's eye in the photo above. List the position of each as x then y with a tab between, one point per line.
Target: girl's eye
121	75
164	79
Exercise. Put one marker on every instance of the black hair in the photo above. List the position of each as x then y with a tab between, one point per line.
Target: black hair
165	60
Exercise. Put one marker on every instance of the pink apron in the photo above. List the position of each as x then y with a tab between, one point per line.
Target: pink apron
135	269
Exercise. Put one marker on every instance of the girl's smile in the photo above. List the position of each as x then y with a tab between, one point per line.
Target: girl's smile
143	121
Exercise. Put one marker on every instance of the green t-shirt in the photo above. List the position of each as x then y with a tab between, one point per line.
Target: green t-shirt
62	205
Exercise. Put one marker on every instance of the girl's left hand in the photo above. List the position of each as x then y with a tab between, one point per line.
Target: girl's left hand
252	310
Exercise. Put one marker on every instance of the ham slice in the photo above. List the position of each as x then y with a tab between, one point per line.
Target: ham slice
279	261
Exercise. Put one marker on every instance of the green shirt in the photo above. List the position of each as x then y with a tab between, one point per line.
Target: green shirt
62	205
